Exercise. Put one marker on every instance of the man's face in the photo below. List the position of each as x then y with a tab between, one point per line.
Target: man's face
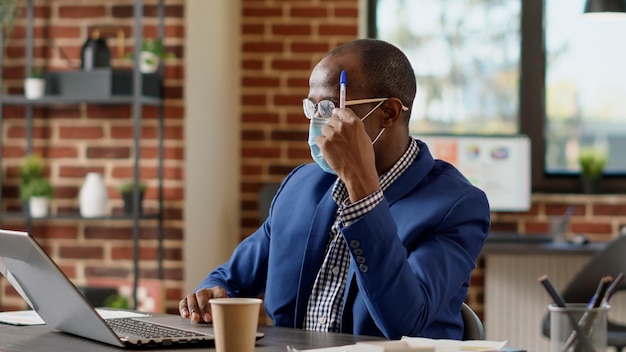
324	85
324	79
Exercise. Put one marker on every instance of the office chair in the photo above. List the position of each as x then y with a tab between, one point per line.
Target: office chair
266	195
609	261
472	326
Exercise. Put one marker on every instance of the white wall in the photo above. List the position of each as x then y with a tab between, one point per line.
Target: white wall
212	133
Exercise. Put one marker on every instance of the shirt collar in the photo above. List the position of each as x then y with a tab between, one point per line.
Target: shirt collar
340	193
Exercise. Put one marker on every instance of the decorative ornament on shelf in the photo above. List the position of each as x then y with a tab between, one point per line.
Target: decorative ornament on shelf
152	52
126	189
93	197
34	84
35	187
592	162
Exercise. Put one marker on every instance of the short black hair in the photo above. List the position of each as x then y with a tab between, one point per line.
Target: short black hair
389	70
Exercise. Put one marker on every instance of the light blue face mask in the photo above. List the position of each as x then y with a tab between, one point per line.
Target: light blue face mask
315	129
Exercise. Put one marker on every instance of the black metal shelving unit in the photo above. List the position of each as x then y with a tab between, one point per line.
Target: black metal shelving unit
136	100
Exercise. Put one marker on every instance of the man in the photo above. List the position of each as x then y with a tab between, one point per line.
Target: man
376	237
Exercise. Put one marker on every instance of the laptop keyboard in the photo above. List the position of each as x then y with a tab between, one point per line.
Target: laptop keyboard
143	329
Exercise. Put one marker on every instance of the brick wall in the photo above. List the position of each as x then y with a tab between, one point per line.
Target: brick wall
76	139
281	42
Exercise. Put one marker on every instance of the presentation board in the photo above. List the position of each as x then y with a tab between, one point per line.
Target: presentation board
500	166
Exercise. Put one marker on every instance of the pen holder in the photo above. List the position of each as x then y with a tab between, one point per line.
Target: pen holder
592	322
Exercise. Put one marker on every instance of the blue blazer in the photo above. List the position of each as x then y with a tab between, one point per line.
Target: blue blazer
420	246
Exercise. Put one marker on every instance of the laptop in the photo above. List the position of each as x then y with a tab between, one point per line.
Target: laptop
60	304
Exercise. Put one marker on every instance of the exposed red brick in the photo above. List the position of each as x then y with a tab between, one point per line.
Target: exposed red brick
66	132
81	11
609	209
310	47
108	111
349	12
79	252
292	100
79	171
63	32
309	12
336	30
591	228
262	47
278	135
108	152
20	132
252	64
260	81
253	29
56	232
255	12
287	65
260	152
126	132
101	271
250	99
291	30
260	117
247	135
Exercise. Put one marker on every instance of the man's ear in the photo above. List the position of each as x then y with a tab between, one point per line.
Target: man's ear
392	111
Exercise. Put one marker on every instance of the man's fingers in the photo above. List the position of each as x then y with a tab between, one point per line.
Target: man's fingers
196	305
192	306
204	313
182	308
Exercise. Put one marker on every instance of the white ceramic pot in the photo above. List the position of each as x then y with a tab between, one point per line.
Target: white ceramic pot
149	62
38	206
93	197
34	88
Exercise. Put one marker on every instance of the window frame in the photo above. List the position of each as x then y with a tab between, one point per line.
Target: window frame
532	102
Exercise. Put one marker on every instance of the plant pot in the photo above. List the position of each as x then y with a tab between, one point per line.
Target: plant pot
590	185
148	62
128	202
38	207
34	88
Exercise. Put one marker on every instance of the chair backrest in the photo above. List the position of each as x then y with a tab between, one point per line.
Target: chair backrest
473	327
266	195
609	261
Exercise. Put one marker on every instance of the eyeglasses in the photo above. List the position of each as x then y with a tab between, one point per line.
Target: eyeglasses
325	107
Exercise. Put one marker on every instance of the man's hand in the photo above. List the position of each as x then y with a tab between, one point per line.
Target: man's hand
196	305
348	150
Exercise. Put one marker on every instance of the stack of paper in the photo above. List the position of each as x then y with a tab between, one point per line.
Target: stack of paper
415	344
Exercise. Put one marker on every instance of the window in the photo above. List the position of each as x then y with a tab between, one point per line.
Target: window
585	86
467	73
536	67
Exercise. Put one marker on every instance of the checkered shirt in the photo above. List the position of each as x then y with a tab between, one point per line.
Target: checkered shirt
326	301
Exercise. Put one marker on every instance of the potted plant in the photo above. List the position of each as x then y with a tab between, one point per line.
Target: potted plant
35	187
592	162
152	52
34	84
8	12
118	301
126	189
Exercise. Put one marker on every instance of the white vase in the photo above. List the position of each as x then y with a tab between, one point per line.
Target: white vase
93	197
38	206
34	88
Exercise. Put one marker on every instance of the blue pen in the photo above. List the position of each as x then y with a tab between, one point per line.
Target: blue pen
342	90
